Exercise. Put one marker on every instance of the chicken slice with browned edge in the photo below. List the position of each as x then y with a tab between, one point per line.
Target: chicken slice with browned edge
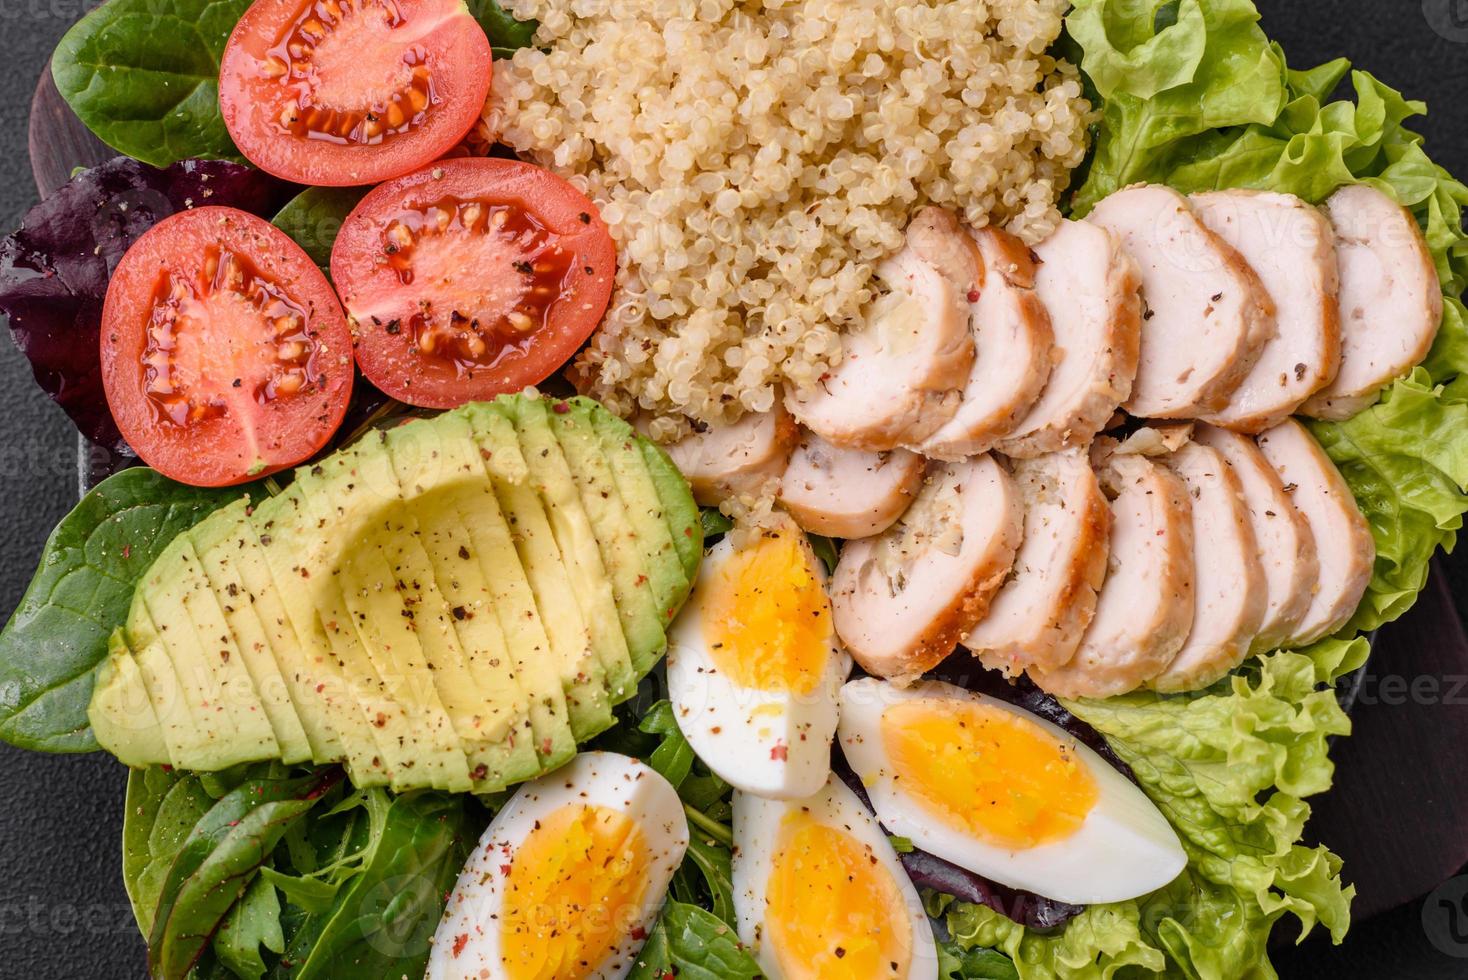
1390	300
1205	315
1145	608
1291	247
902	374
1092	291
1012	349
848	493
1038	617
1343	540
1286	546
1229	593
902	599
736	460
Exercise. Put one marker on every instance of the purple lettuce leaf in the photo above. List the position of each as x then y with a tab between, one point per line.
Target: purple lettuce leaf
54	271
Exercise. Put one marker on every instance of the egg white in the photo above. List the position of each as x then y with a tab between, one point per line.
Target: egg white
775	744
1124	848
605	779
757	824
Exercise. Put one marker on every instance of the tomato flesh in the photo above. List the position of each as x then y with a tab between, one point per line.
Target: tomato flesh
225	355
471	279
350	92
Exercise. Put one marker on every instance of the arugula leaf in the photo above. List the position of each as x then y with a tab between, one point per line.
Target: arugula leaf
218	860
254	922
80	594
715	523
505	33
693	944
143	75
673	758
314	218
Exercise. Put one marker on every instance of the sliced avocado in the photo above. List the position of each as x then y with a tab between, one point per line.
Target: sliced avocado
368	625
170	705
582	676
645	508
679	510
221	695
623	553
571	528
218	542
284	529
230	531
438	467
492	548
121	712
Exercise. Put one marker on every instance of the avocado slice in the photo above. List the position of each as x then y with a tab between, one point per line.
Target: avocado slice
439	469
182	615
491	550
121	711
645	508
170	705
229	532
583	678
679	510
287	532
571	528
367	623
213	541
623	553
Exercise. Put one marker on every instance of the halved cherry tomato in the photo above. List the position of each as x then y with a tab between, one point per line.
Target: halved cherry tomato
341	93
225	354
470	279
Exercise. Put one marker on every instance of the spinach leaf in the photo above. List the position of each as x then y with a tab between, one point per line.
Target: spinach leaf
715	523
314	218
252	923
144	76
80	594
695	945
217	861
827	550
162	808
504	31
381	925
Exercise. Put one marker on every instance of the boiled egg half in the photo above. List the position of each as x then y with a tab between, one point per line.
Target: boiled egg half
1004	793
754	665
819	892
568	879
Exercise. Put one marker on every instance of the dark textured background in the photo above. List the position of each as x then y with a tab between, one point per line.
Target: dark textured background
63	913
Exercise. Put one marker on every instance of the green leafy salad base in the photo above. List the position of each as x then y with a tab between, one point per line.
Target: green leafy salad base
272	872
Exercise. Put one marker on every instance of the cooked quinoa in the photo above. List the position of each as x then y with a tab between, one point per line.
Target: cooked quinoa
756	159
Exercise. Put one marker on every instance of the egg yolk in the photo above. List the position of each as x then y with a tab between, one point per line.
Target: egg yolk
767	619
833	911
988	772
575	889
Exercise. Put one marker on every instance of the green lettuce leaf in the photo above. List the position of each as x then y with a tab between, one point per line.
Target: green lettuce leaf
1230	768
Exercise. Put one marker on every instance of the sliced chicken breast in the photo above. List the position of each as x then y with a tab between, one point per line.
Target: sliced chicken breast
1286	546
1144	610
1390	300
1012	350
1291	247
1343	542
1092	291
1229	593
902	599
1037	618
848	493
739	459
1205	315
902	374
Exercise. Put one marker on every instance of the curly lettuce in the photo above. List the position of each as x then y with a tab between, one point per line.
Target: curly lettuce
1193	94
